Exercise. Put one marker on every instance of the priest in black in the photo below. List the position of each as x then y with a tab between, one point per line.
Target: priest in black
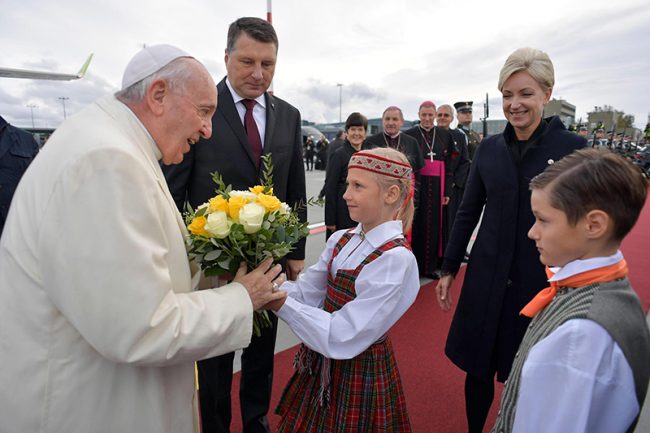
392	136
433	194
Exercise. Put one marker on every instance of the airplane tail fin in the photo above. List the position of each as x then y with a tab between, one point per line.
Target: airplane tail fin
84	68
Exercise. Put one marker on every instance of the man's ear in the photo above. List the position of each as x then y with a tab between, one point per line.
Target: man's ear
157	92
598	224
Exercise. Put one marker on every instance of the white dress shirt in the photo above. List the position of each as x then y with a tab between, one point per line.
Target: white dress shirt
577	378
385	289
259	111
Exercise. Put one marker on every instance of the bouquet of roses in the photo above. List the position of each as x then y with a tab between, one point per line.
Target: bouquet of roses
248	226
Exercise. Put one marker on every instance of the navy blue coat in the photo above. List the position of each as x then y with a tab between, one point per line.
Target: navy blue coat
504	271
17	150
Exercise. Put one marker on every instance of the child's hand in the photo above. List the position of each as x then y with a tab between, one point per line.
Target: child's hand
443	292
277	304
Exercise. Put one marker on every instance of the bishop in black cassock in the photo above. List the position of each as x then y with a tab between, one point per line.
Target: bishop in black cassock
433	192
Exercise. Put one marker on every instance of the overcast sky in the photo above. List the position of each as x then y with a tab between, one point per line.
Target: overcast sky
384	53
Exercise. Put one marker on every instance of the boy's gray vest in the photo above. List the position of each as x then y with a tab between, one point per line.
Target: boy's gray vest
612	305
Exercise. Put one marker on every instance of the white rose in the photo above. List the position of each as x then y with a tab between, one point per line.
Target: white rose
284	208
251	217
248	195
218	224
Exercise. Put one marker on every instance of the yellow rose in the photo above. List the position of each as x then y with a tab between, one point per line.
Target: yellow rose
218	224
197	226
251	217
270	202
256	189
218	203
234	206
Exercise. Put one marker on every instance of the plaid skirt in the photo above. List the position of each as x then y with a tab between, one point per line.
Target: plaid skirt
364	394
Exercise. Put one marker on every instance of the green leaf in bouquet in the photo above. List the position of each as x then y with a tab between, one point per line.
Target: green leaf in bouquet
214	271
203	247
221	185
212	255
280	233
201	212
198	258
271	217
267	172
225	264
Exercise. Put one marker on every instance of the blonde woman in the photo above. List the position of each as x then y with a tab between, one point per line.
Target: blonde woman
504	272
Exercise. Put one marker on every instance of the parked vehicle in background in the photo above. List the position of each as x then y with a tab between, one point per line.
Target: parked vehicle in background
310	131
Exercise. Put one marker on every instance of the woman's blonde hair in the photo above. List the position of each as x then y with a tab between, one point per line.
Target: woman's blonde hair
404	206
537	63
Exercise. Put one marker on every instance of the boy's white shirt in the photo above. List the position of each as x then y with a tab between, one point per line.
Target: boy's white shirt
577	378
385	289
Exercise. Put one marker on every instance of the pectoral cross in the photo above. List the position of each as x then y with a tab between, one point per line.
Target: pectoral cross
431	154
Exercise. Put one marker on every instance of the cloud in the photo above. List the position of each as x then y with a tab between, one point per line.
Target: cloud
384	54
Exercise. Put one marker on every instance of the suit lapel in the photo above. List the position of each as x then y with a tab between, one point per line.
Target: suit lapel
270	123
227	108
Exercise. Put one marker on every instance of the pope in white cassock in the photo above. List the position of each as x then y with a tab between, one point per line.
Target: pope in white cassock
99	321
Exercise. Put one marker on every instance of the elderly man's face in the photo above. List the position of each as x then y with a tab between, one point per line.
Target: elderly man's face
444	117
393	122
250	66
189	116
427	115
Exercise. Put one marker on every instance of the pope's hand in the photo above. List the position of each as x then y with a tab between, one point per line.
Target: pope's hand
261	282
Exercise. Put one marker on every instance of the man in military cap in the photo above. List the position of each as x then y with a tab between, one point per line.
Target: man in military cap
583	130
464	113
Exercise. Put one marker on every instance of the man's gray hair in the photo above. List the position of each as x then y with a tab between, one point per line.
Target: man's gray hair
450	108
177	74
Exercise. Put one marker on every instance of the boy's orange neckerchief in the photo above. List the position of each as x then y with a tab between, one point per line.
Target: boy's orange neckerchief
599	275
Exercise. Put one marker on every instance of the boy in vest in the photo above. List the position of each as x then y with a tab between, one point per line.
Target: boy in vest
584	362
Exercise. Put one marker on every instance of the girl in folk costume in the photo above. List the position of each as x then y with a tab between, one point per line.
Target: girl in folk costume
346	377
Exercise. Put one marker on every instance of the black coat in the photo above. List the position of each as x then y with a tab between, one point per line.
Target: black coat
229	153
336	209
17	150
460	165
504	271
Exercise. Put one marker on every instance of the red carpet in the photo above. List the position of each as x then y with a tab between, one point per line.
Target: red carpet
432	384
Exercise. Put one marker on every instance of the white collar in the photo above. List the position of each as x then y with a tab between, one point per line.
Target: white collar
236	97
382	233
115	107
579	266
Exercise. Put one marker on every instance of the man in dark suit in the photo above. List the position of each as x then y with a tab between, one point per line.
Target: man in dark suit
335	144
458	167
248	122
17	150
